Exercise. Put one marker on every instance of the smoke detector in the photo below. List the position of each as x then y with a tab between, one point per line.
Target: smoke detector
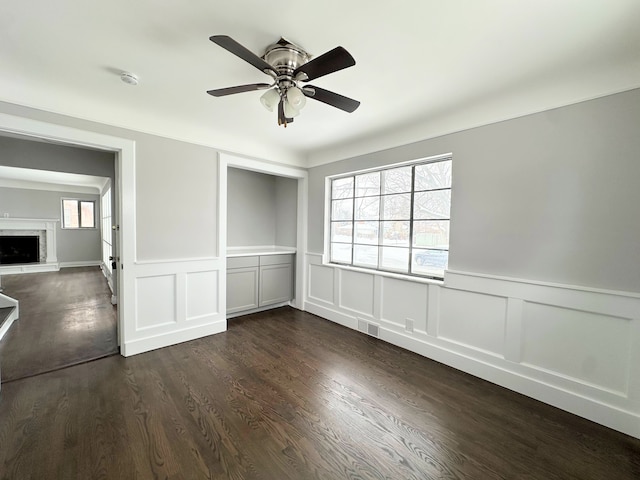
129	78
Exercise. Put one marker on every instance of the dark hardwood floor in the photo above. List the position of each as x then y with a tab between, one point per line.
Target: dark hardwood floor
286	395
66	318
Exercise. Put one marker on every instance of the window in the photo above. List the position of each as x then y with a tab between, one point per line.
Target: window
78	213
394	219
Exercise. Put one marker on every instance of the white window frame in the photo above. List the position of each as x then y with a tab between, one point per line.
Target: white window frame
79	227
381	271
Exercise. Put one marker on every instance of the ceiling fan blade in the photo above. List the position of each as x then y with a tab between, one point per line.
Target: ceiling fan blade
234	47
330	98
221	92
332	61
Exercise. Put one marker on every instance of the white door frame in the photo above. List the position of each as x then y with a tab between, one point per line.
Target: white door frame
124	150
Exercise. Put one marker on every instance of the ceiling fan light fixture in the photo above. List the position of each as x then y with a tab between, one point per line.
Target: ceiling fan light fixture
288	65
290	111
270	99
296	98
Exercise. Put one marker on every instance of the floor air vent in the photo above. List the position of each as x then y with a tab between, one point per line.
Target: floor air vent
368	328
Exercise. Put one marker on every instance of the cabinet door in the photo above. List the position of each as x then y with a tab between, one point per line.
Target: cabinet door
242	289
276	283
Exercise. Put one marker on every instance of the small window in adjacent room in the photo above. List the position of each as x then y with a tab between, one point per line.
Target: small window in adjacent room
78	213
394	219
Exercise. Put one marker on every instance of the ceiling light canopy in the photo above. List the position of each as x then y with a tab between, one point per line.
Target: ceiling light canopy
289	66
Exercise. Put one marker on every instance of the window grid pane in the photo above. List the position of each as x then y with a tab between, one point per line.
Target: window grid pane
71	215
394	219
86	215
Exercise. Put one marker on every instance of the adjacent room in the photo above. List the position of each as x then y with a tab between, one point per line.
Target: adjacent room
57	237
386	242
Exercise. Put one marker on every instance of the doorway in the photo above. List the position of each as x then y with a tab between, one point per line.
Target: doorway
124	198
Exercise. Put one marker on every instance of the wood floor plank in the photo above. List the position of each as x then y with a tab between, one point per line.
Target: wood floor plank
286	395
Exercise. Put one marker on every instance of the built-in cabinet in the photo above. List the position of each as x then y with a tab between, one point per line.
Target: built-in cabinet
259	281
262	237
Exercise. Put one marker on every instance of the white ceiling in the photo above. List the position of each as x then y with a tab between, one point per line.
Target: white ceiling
424	67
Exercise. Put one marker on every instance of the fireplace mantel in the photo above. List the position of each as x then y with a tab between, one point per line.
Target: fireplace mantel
48	225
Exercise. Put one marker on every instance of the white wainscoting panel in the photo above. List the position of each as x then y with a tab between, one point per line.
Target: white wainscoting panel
176	301
162	310
572	347
473	319
584	346
321	283
402	300
202	295
356	292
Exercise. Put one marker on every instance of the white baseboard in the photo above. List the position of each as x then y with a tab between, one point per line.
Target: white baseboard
29	268
174	337
87	263
256	310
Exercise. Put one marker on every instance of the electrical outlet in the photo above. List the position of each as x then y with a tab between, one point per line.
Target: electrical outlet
408	326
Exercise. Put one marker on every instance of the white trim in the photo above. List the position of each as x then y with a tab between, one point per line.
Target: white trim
256	310
621	293
125	172
29	268
433	159
175	260
260	250
222	229
173	337
84	263
384	273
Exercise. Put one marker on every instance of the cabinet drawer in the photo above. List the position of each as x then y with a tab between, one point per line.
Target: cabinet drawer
241	262
276	259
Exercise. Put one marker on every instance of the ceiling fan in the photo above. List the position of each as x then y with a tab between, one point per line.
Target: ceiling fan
289	66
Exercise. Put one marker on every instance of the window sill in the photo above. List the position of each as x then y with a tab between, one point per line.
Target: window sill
381	273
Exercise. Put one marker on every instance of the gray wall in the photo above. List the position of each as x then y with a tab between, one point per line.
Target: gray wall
261	209
176	189
15	152
552	196
286	211
251	208
72	245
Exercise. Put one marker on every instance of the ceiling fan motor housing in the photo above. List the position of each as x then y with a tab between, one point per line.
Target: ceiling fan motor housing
285	57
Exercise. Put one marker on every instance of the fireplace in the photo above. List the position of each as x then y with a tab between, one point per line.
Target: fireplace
19	249
45	231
